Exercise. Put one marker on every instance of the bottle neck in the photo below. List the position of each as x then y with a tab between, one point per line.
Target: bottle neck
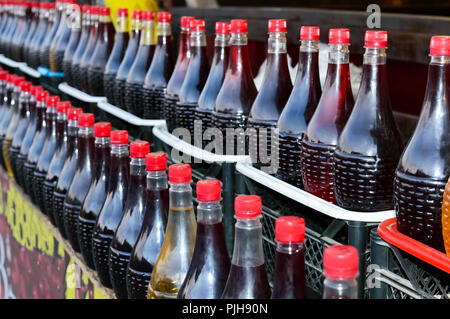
248	249
164	29
180	195
84	131
338	54
183	52
157	180
222	40
438	88
148	33
137	167
119	150
289	248
61	117
340	289
209	212
198	39
136	25
75	20
122	24
102	141
239	61
277	43
375	56
24	99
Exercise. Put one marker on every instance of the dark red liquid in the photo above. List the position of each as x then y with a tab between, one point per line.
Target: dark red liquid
19	135
5	119
157	77
289	278
321	137
20	35
69	53
75	74
295	117
38	38
149	243
44	48
87	56
78	188
424	167
210	264
94	201
59	45
9	36
247	283
34	21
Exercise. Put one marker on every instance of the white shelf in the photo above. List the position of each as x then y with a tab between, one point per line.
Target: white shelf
126	116
30	71
11	63
80	95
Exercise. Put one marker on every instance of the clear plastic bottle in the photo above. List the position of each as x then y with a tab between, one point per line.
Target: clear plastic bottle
89	50
7	113
340	263
61	39
248	277
76	27
176	253
46	11
35	13
44	48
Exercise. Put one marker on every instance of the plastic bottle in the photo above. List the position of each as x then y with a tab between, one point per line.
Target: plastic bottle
68	171
424	167
299	108
178	74
210	264
328	121
176	252
61	40
150	240
289	276
144	55
207	99
89	51
48	150
45	20
272	97
7	113
161	68
82	178
21	31
247	278
128	59
3	97
112	210
238	91
74	40
100	55
15	28
117	54
370	144
96	194
340	263
130	224
44	48
58	159
34	21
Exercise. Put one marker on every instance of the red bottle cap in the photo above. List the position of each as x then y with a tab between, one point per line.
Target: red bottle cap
310	33
223	27
42	96
339	36
36	89
44	5
340	262
104	11
63	107
10	78
18	80
102	129
76	7
238	26
86	120
277	25
180	173
247	206
3	75
25	86
51	101
52	6
139	149
122	12
440	45
164	17
375	38
290	229
156	161
73	113
136	15
197	25
96	10
86	8
185	21
208	190
119	137
147	15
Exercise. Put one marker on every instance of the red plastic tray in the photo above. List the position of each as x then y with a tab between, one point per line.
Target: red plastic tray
389	232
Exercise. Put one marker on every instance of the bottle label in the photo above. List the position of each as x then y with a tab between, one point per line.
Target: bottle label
122	24
148	34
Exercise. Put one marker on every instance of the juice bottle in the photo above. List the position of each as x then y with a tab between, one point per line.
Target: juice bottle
32	153
131	222
334	108
44	48
87	28
68	170
34	21
149	243
89	51
207	99
247	278
47	11
101	53
370	144
160	70
7	113
62	37
17	97
299	108
237	93
446	218
112	210
72	44
81	179
48	150
340	263
128	59
57	162
96	194
424	167
289	276
117	54
144	55
210	264
272	97
178	74
175	256
195	77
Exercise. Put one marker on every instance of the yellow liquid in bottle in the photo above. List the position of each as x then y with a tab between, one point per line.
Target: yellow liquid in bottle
6	145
